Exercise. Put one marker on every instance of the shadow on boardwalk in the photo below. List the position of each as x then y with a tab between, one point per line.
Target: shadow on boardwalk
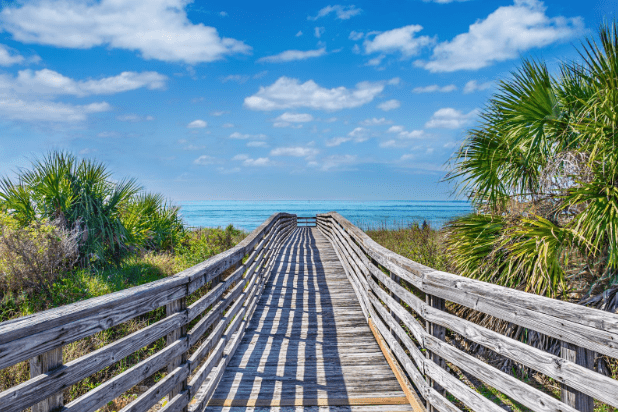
307	343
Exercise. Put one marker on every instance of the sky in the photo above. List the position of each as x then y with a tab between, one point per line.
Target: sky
269	100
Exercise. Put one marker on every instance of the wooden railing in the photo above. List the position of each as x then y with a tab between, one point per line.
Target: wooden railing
200	338
405	304
308	221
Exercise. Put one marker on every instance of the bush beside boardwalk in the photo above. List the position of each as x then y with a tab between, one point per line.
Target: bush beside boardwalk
69	232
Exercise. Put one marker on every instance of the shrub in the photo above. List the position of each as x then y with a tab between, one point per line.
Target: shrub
33	257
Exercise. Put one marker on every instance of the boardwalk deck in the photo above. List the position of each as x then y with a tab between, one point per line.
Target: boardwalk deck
308	346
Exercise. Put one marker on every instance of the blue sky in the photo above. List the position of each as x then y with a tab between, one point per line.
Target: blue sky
355	100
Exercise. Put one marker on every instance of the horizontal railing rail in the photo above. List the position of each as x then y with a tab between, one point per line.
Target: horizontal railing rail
200	337
306	221
405	304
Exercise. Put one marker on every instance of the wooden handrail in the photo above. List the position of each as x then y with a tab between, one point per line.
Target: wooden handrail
226	308
376	274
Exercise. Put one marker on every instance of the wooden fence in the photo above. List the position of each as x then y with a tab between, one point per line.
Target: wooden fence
200	338
405	304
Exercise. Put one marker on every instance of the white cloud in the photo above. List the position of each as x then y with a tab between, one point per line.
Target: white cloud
292	55
8	57
401	40
223	14
376	60
336	141
295	117
342	12
375	122
49	82
287	93
247	161
227	125
297	151
503	35
238	78
402	137
157	29
389	105
435	88
449	118
256	144
197	124
318	31
300	33
219	113
356	35
206	160
473	86
237	135
359	134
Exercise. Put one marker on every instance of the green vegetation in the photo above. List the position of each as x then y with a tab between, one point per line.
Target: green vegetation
69	232
421	244
542	172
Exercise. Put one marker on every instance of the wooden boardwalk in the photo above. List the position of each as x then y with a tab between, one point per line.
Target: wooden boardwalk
308	346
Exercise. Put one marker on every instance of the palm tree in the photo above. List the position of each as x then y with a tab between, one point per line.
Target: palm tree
541	170
113	216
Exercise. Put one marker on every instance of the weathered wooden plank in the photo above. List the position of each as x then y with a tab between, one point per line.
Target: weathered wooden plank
568	395
459	390
42	386
154	394
172	308
439	332
27	347
580	378
507	384
119	384
40	365
455	289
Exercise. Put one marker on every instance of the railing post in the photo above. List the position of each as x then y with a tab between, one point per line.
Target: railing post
582	357
171	308
395	279
44	363
440	333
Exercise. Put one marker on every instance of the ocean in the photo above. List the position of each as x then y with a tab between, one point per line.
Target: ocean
248	215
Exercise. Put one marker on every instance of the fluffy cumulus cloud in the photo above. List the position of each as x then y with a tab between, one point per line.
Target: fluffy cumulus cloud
288	93
503	35
292	55
402	40
473	86
358	135
449	118
8	57
341	12
297	151
288	119
435	88
248	161
49	82
14	108
402	137
197	124
389	105
158	29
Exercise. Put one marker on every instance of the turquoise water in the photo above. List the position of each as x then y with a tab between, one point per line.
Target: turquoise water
248	215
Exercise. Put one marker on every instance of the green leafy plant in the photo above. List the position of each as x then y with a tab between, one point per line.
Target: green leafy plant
541	170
